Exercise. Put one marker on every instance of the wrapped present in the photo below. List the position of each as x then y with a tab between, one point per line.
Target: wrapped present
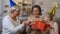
41	25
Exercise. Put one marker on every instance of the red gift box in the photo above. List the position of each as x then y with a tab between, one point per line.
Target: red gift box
40	25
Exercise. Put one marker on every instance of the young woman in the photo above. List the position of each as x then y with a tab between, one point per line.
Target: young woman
36	10
49	18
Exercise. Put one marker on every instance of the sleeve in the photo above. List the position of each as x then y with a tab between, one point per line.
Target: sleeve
56	28
9	28
27	26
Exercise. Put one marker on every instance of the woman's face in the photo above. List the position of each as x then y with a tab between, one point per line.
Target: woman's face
35	11
17	13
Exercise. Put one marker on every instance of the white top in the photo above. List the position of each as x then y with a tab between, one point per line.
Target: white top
54	29
9	26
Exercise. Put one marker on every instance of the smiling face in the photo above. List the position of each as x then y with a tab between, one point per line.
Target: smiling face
17	13
35	11
15	10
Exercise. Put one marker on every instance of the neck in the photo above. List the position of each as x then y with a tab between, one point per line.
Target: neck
37	16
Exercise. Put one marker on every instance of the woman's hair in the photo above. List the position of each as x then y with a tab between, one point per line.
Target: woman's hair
39	8
14	8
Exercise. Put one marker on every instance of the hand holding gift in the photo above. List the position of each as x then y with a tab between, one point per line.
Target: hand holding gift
41	25
31	19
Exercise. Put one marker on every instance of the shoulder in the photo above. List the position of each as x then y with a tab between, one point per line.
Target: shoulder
55	24
6	17
7	21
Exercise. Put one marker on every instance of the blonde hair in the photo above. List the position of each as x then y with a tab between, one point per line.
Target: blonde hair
15	8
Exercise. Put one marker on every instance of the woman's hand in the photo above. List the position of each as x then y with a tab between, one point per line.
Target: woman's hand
25	22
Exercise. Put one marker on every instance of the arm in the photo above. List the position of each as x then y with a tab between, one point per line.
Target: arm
8	27
55	28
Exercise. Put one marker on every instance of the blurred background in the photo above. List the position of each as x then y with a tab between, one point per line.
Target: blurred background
26	6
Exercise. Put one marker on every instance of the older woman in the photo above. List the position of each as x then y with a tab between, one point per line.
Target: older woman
11	24
36	10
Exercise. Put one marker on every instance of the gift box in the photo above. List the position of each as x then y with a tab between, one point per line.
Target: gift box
40	25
